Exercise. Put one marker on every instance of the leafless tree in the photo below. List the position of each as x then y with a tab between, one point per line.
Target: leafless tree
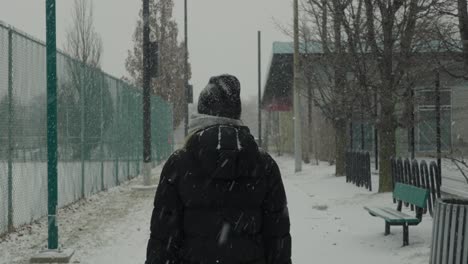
84	89
169	84
83	42
370	49
463	27
327	73
393	35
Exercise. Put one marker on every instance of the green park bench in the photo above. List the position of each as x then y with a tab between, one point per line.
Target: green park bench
403	193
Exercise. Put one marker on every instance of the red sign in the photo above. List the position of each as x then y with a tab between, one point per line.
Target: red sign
279	105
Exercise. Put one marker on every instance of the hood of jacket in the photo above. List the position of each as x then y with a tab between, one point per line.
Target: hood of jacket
200	122
223	147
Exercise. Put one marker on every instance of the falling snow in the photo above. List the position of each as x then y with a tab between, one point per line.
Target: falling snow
318	234
224	233
219	138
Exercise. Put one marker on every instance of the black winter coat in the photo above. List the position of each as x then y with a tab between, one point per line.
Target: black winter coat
220	200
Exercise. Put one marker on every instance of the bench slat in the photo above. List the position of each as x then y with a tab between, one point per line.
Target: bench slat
411	194
399	214
392	216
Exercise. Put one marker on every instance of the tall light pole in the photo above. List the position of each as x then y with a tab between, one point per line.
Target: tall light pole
376	132
146	96
186	85
53	254
259	88
297	103
438	126
52	123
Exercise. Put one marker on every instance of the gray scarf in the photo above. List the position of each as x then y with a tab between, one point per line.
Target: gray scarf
199	122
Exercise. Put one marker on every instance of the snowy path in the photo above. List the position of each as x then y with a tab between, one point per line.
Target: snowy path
110	227
328	225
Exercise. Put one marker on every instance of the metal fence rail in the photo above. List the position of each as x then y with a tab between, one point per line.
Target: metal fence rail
358	169
100	129
419	174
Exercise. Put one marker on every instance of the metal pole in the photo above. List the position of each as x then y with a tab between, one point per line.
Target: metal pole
101	143
51	124
82	137
10	130
376	133
186	69
119	122
438	129
412	135
376	147
297	103
363	143
129	131
260	88
146	96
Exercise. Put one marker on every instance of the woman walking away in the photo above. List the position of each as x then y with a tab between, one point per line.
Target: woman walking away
220	199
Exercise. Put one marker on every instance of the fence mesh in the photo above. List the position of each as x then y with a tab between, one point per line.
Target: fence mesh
99	127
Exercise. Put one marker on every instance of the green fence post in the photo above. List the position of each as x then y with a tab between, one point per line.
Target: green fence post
101	143
116	164
82	138
52	124
128	132
10	130
119	150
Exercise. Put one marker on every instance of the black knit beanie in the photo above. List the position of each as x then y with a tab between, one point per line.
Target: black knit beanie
221	97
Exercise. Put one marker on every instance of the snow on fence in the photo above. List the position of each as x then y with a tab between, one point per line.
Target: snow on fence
100	128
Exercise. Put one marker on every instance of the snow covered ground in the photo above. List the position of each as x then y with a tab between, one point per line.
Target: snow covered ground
328	222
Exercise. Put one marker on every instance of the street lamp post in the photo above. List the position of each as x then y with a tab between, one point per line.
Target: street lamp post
186	85
259	88
146	96
53	253
52	123
297	103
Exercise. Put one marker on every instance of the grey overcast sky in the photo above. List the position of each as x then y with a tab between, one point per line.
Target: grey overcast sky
222	33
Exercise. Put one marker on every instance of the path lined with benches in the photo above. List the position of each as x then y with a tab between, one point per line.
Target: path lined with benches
329	224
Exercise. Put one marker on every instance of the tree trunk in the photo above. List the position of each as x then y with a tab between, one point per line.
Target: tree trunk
305	148
340	92
340	144
387	131
463	26
312	135
306	135
388	123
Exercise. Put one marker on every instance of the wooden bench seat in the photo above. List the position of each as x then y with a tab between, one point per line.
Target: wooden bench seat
392	216
403	193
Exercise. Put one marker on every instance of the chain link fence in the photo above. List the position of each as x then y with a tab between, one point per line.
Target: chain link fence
100	130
